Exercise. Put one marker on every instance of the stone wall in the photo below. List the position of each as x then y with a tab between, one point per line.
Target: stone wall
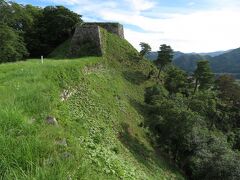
86	41
114	28
87	38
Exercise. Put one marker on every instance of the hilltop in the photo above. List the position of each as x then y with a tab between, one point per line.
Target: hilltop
96	102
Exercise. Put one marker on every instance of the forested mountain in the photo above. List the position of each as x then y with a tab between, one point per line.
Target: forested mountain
213	54
227	62
188	62
153	55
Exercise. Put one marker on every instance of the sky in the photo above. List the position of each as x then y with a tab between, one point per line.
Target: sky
185	25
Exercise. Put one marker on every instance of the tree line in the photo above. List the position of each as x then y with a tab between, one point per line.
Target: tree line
195	119
30	31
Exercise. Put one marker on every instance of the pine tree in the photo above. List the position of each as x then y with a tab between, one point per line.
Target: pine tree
203	75
145	48
165	56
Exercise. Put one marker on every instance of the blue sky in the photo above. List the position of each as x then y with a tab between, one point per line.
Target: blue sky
186	25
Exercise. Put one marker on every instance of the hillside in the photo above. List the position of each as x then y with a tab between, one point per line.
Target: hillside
228	62
220	62
97	105
188	62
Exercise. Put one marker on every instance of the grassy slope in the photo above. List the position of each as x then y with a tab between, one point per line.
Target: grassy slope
100	121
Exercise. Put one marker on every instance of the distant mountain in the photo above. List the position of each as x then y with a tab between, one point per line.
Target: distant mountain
221	61
188	62
228	62
213	54
153	55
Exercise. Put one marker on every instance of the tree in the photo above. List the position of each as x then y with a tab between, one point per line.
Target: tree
31	29
203	76
205	103
215	160
154	92
200	137
4	11
165	56
42	30
15	15
54	26
145	48
16	22
228	89
176	80
12	47
229	93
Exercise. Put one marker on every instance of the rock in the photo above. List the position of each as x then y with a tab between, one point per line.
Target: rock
66	155
32	120
51	121
62	142
67	94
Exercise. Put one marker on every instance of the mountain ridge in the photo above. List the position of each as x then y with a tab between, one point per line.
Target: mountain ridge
220	61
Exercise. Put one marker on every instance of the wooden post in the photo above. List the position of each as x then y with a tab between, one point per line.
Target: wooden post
42	59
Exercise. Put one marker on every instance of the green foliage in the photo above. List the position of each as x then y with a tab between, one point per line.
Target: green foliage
54	26
229	93
215	160
205	103
203	76
165	56
145	48
175	80
38	30
229	90
154	92
5	11
12	47
201	132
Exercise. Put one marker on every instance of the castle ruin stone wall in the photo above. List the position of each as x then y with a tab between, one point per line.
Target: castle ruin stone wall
87	39
114	28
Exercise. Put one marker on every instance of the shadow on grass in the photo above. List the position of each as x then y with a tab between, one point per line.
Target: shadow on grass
138	149
141	108
136	77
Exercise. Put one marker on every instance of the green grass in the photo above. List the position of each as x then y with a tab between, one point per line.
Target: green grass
99	121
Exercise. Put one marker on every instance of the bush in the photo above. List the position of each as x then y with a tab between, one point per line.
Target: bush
154	92
215	160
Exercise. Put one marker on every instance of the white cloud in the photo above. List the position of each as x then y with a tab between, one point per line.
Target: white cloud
200	31
191	3
214	28
66	2
225	3
140	5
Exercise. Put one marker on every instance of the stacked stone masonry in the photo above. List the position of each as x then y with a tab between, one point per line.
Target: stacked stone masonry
88	34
